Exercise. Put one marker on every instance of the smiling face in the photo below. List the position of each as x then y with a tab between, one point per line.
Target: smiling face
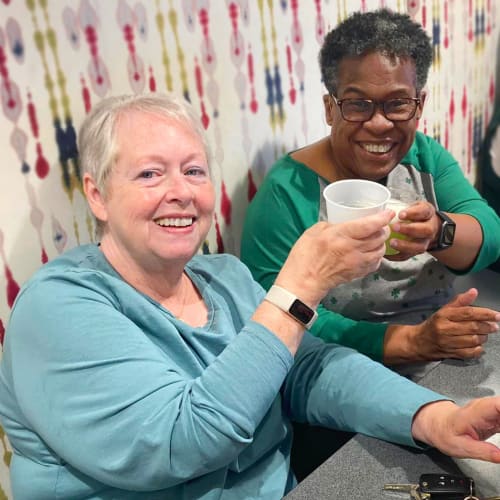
159	198
371	149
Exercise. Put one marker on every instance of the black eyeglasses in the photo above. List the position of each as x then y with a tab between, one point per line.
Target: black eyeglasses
401	109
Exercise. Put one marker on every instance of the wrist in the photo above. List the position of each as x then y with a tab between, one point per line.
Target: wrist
399	344
428	419
445	234
292	305
437	230
308	295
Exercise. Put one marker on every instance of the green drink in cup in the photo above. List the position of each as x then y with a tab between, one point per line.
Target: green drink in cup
397	206
401	198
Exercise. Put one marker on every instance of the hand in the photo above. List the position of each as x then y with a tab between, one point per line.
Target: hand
323	257
457	330
460	431
421	225
327	255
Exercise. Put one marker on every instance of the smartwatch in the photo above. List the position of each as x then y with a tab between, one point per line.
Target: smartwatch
446	233
293	306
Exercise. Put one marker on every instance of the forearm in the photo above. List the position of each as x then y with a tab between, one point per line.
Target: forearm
466	245
365	336
339	388
284	327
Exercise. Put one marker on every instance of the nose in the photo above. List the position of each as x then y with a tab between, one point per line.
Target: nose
379	120
178	189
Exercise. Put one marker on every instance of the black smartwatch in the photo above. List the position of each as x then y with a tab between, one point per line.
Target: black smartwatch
446	234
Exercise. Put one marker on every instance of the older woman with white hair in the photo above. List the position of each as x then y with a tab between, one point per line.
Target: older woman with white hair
138	369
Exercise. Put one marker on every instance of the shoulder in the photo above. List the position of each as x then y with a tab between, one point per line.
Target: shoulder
289	173
289	184
81	257
83	266
427	154
425	143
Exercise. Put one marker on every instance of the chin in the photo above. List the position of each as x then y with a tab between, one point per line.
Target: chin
380	171
177	254
376	176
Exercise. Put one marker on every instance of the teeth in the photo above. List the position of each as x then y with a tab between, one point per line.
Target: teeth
175	222
377	148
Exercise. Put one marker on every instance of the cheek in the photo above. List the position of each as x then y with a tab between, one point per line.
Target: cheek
206	199
409	134
341	135
137	203
149	196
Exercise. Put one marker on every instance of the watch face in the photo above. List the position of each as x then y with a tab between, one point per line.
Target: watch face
302	312
448	234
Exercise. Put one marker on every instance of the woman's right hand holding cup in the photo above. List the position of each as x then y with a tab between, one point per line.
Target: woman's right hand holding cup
327	255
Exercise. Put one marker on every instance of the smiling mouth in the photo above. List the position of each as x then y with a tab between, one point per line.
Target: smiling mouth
376	148
175	221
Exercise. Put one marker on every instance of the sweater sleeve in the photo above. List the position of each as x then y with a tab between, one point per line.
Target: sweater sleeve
139	420
337	387
286	204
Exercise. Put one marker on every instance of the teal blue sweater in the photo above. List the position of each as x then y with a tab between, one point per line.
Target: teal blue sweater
104	394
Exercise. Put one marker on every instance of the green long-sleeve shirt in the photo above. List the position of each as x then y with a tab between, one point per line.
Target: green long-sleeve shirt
356	314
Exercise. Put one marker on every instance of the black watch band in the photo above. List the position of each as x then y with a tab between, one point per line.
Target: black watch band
446	233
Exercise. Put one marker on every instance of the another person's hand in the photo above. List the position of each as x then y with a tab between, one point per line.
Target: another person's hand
457	330
421	225
327	255
460	431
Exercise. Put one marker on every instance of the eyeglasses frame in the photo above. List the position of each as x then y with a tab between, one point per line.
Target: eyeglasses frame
377	104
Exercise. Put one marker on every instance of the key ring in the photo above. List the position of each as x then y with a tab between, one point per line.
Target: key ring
471	496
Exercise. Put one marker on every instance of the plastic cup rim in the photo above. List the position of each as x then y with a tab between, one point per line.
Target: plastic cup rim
363	181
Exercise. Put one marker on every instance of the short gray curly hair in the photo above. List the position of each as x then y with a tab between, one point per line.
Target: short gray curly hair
390	33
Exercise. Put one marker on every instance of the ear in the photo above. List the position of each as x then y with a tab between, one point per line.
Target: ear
420	108
327	103
95	198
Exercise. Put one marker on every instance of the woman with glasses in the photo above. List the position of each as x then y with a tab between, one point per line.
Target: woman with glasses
374	66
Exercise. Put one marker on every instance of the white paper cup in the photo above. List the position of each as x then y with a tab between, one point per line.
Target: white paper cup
354	198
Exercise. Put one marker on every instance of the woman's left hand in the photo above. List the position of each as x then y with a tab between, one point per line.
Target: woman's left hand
460	431
420	224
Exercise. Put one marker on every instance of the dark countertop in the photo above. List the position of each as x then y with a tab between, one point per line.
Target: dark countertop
363	465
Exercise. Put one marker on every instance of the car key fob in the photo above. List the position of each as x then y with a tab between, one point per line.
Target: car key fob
445	486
